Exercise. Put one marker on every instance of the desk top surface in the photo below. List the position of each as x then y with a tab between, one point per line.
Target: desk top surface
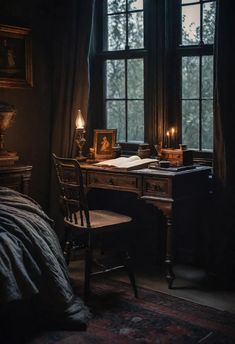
147	171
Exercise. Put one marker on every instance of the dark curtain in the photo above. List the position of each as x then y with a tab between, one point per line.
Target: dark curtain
224	95
222	234
73	27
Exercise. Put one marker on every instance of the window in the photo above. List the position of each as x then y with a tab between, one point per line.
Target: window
196	51
157	63
124	68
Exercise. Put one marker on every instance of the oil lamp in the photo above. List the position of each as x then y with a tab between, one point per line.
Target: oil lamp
80	135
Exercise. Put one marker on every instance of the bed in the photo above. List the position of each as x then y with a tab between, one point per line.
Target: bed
32	266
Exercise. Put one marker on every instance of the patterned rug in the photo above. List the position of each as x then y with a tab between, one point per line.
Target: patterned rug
119	318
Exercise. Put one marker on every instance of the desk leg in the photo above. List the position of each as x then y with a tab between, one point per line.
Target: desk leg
170	276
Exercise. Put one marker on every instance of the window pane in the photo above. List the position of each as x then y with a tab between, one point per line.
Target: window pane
207	77
115	82
207	124
136	30
116	6
189	1
190	77
190	24
135	5
190	123
135	78
115	115
135	125
209	22
116	32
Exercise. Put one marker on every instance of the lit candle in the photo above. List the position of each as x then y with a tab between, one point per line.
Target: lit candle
80	123
167	139
173	137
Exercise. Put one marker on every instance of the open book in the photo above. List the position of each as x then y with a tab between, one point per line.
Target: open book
133	162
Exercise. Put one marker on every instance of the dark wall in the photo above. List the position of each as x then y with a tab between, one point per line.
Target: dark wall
30	134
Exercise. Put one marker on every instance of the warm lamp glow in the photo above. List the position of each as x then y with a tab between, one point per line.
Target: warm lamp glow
80	123
79	135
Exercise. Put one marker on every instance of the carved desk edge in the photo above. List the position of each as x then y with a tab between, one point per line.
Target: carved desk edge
141	176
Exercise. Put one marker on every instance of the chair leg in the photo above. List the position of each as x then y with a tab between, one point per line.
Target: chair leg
88	262
130	273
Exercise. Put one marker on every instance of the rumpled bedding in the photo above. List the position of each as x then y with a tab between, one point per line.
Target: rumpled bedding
31	260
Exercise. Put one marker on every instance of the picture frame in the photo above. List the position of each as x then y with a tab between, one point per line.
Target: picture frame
104	140
15	57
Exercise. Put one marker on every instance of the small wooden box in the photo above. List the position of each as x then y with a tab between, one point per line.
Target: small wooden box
177	157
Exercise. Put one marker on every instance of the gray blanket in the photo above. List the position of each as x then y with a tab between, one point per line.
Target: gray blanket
31	261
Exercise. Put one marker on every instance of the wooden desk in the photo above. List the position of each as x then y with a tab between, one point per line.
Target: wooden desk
16	177
166	190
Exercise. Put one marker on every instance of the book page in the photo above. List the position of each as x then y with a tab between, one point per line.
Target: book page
138	163
119	162
132	162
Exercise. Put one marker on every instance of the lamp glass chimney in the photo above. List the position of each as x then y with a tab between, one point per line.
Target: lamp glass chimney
80	123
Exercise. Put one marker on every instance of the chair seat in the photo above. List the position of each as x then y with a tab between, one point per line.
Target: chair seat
101	218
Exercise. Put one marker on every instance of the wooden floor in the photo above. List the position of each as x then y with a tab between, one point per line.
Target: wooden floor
189	284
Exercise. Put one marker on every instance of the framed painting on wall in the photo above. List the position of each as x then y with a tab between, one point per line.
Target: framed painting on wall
15	57
104	140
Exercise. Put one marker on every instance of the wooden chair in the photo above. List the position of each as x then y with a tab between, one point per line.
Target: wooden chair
93	229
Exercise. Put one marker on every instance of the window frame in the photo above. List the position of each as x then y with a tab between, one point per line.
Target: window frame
127	54
154	68
162	60
178	50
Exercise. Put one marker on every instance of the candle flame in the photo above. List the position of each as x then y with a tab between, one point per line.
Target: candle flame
167	133
80	123
172	131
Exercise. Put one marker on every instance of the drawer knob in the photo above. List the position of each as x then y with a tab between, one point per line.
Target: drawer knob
111	181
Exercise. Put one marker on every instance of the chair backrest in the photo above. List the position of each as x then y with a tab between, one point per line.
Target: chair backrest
72	191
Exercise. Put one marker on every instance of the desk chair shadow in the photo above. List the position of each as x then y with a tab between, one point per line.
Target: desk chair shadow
91	229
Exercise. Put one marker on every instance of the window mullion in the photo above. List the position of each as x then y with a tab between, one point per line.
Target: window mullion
127	34
126	101
200	103
200	76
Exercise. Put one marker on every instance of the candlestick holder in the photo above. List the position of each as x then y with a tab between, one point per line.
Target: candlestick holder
80	142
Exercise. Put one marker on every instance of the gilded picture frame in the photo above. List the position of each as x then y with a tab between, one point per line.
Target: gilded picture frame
15	57
104	140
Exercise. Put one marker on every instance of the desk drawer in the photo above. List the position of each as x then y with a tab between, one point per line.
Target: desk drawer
122	182
156	187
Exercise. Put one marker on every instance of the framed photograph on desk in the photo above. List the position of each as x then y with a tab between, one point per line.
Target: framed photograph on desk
104	140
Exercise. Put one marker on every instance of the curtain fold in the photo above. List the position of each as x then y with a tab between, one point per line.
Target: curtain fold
71	71
70	87
222	233
224	130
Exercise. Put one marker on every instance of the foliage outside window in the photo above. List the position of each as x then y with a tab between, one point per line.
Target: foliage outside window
140	100
124	68
196	50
